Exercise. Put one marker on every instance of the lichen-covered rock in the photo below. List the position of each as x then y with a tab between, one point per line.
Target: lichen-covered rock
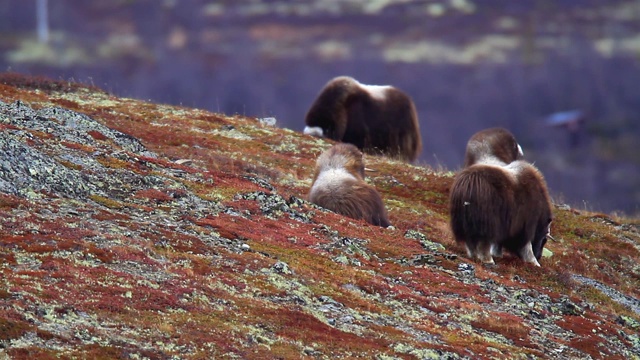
27	172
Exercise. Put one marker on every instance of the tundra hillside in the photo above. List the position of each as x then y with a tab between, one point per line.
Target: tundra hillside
136	230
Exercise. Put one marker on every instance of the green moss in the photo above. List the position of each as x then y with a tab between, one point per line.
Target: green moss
110	203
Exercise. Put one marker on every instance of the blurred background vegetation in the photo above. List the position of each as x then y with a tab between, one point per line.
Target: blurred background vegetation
562	75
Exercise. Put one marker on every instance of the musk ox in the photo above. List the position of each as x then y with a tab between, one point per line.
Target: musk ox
496	142
499	202
376	119
338	185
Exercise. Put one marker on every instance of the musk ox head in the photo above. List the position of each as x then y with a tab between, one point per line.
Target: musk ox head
492	144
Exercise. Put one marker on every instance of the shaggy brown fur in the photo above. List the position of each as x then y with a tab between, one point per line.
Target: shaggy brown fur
338	185
494	207
376	119
498	200
494	142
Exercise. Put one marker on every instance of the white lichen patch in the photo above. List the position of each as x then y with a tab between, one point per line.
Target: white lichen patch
417	352
86	98
292	181
613	46
27	261
507	23
228	133
286	147
435	9
333	50
464	6
490	48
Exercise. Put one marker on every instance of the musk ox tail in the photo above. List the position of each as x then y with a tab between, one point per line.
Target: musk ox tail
411	140
481	200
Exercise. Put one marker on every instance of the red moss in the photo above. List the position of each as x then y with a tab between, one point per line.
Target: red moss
49	264
201	266
300	326
100	352
103	215
9	201
104	255
507	325
585	326
43	83
232	282
97	135
187	243
10	329
32	353
157	300
594	346
154	195
374	285
4	294
76	146
8	127
129	253
67	104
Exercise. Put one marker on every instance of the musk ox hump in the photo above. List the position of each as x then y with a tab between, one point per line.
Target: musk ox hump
494	143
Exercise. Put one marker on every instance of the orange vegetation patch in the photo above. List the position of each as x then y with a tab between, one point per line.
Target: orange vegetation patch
293	324
153	195
20	81
507	325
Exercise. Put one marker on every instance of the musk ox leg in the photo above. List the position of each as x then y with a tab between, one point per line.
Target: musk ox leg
471	250
481	251
484	252
496	250
526	253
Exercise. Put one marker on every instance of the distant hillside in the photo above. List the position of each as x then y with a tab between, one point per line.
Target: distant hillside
130	229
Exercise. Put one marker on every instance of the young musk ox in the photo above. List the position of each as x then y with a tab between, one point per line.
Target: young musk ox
376	119
496	203
338	185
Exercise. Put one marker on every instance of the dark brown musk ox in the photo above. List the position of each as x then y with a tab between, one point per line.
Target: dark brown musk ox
338	185
500	201
376	119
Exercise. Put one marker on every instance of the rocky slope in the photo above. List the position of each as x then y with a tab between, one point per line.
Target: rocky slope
136	230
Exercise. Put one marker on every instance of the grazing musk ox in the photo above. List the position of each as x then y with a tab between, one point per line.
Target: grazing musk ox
496	204
376	119
338	185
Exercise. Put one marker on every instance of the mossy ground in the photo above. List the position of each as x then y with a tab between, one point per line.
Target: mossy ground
140	272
